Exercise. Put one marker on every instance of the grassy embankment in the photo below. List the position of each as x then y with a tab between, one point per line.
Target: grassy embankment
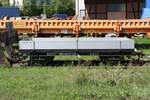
143	44
71	83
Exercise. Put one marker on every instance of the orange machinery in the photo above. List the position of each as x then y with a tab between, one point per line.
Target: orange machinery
77	28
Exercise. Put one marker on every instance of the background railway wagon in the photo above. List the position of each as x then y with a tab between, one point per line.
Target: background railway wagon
110	9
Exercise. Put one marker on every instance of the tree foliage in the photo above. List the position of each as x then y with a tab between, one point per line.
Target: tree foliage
1	4
4	3
31	9
57	6
63	6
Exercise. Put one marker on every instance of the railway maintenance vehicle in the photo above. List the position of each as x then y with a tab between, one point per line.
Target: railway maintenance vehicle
40	41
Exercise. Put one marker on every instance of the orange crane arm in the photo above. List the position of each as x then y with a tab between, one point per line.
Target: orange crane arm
78	26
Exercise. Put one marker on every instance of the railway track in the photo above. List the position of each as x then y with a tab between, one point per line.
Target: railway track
76	63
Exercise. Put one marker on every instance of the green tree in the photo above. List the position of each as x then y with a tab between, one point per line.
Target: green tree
46	9
31	9
57	6
63	6
1	4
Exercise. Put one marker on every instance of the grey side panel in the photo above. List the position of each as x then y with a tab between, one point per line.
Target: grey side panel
72	44
26	45
55	43
127	44
98	43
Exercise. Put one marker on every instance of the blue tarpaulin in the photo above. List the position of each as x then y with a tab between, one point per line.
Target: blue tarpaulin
9	11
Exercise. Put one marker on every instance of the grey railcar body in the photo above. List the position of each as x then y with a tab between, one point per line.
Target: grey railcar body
81	46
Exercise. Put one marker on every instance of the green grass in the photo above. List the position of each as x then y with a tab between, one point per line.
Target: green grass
62	57
71	83
143	44
146	51
142	40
